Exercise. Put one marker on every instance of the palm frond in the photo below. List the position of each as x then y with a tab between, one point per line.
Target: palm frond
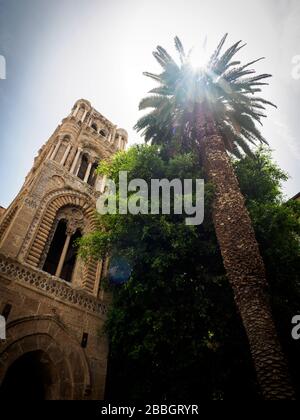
229	89
179	48
153	76
217	51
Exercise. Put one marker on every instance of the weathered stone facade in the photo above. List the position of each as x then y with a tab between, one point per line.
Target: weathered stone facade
53	302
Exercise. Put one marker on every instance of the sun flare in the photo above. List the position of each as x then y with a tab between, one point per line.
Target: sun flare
199	56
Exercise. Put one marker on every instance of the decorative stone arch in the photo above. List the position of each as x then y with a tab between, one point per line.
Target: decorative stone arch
43	225
73	218
70	375
82	108
64	140
93	149
90	157
66	137
82	102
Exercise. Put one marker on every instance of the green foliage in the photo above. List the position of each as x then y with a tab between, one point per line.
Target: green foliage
173	328
266	186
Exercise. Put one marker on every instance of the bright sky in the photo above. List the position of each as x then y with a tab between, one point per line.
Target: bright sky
58	51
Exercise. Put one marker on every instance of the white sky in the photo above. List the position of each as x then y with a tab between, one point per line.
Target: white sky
61	50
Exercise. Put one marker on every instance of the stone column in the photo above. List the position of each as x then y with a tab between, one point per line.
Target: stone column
74	112
119	142
50	152
113	134
90	118
55	150
84	115
63	255
62	162
88	171
75	160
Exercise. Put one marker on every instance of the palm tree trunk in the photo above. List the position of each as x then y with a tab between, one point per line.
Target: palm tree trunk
244	266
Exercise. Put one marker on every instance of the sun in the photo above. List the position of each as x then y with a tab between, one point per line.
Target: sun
199	56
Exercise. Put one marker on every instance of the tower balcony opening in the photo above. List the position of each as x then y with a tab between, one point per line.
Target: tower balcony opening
61	257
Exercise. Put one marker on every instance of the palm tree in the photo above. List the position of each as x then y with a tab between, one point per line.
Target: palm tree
214	110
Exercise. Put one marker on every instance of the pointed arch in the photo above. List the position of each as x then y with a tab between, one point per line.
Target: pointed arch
46	217
46	333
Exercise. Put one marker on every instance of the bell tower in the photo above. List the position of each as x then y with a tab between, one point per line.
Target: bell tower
52	301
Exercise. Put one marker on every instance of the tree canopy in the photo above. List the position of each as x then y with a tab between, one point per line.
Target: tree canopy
173	327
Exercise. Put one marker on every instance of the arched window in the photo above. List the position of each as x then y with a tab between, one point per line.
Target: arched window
83	167
56	248
62	149
81	112
94	126
61	258
60	152
93	176
103	133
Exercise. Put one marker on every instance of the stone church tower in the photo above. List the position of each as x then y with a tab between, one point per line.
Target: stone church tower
52	301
